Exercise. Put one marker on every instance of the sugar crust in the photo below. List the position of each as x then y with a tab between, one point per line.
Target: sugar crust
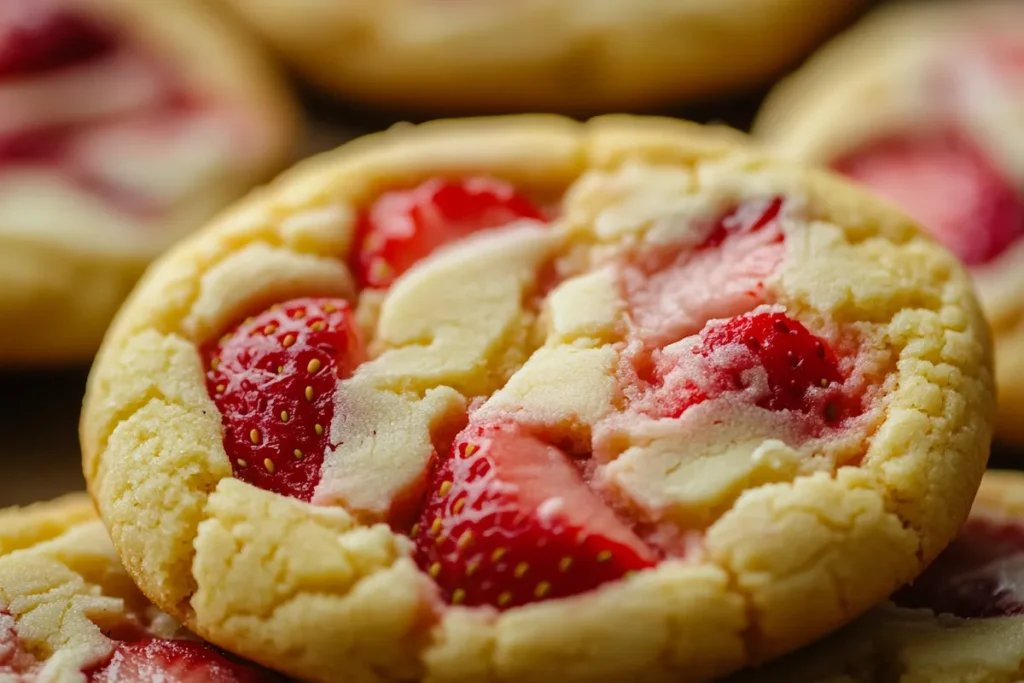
918	646
863	84
61	283
325	595
541	55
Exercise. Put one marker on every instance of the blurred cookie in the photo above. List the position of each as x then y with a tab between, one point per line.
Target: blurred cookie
459	401
69	611
924	103
962	621
123	125
541	55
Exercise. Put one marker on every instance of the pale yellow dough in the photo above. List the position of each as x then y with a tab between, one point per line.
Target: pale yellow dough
67	259
62	584
901	645
873	80
541	55
792	546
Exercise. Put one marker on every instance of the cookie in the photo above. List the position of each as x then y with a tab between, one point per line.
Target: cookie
124	125
541	55
456	402
69	612
924	103
962	621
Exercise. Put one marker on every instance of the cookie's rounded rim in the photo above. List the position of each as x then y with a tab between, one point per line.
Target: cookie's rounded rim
537	151
391	60
28	525
810	100
214	56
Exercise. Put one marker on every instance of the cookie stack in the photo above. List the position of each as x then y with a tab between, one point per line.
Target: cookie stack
523	399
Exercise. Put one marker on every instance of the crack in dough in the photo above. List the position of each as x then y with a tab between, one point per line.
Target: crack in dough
330	584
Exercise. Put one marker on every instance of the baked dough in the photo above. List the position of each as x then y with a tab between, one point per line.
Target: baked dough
541	55
919	645
776	524
123	125
907	70
70	613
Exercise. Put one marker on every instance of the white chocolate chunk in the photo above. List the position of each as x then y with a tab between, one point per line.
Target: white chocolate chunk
686	470
459	318
383	444
635	203
563	387
587	306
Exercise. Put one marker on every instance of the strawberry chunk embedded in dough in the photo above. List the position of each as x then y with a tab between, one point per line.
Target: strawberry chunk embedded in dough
783	364
747	218
509	521
405	226
943	180
673	292
981	574
15	660
273	379
39	35
174	661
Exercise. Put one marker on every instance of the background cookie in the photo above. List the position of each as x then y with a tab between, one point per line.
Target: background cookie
961	621
924	102
68	610
123	125
541	55
348	430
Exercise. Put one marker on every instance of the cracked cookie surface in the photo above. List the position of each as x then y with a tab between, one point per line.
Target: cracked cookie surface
69	613
541	55
456	401
925	105
962	621
123	127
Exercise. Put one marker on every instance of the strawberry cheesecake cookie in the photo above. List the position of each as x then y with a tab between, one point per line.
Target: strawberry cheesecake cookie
70	614
530	55
522	399
123	125
962	621
924	103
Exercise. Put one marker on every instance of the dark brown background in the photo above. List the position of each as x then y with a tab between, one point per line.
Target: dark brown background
38	422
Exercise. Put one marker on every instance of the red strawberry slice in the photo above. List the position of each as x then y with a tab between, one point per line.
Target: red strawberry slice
747	218
40	35
405	226
273	379
1004	52
15	660
800	369
946	182
509	521
981	574
174	661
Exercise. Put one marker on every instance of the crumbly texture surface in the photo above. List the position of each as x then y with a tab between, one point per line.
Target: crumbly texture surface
63	592
792	542
542	55
68	255
878	78
918	646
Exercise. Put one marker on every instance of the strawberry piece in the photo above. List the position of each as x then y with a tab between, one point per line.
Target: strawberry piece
509	521
15	660
273	379
39	36
944	181
1003	52
801	371
405	226
747	218
174	661
981	574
